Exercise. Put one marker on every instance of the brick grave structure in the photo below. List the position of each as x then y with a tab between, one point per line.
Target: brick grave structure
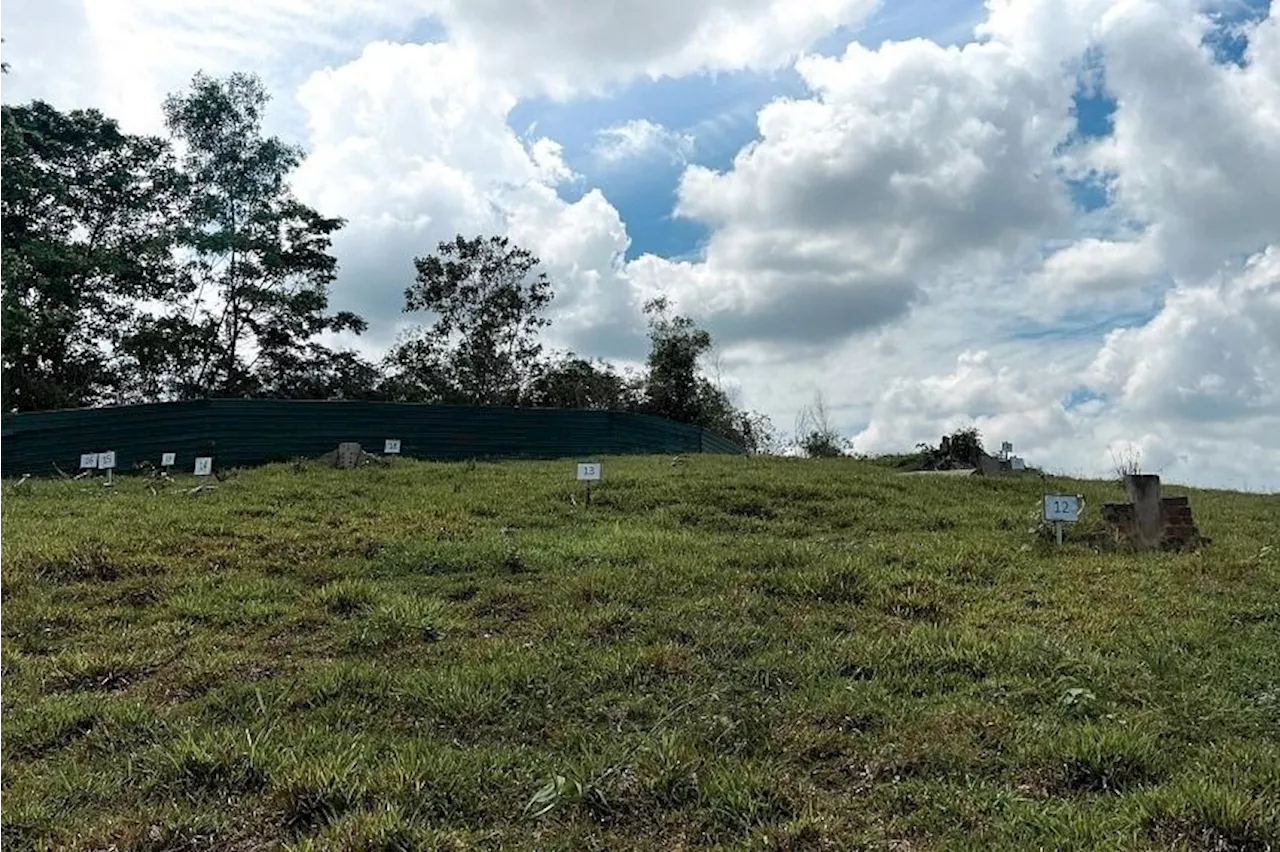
1171	526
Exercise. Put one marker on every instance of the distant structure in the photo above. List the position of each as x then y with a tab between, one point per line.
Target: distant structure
1007	457
959	456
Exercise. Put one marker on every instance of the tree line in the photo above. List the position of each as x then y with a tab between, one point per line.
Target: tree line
144	268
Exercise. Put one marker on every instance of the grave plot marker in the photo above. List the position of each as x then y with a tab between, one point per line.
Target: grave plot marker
1060	509
203	470
589	472
107	462
88	464
391	447
168	460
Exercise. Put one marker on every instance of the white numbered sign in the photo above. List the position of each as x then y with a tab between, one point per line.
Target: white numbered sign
588	472
204	466
168	459
391	447
107	460
1062	507
88	461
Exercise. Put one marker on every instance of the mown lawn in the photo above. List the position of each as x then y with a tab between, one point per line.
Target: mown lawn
721	653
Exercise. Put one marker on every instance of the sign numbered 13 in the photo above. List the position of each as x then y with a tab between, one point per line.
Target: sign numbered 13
588	472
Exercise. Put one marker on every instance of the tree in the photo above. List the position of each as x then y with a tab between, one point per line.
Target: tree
676	343
319	373
261	258
573	382
675	388
816	433
482	347
88	233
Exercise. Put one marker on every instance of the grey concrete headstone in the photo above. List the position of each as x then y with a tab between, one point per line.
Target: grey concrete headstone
349	454
1144	493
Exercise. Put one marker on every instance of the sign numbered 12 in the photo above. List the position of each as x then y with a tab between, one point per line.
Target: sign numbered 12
1062	508
589	472
391	447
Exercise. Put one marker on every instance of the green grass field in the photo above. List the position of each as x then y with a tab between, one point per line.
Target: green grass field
724	653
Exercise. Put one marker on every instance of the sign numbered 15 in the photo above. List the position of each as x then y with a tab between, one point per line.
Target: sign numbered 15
589	472
1062	507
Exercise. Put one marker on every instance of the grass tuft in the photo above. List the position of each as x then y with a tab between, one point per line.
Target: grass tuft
1097	759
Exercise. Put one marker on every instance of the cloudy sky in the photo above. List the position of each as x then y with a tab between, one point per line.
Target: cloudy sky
1058	220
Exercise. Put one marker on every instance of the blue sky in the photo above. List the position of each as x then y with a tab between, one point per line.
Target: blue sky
718	110
944	281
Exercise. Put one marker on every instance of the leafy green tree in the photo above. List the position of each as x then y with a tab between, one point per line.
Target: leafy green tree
88	232
319	373
482	348
675	387
672	386
260	258
573	382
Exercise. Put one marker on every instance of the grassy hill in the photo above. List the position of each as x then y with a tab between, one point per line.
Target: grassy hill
721	653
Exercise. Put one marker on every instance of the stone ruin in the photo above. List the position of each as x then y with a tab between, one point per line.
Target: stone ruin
348	456
1149	521
949	456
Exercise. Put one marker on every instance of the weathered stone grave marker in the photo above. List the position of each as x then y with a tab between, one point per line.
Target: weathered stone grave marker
349	455
1150	521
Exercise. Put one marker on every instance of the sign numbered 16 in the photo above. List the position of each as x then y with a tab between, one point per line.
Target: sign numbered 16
589	472
1062	507
204	466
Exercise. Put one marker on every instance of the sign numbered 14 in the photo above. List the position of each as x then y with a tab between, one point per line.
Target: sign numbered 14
1062	507
589	472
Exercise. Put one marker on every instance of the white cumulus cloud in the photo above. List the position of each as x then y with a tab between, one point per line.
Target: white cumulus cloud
900	234
641	138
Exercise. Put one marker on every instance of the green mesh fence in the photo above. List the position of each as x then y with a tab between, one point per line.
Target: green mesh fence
249	432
